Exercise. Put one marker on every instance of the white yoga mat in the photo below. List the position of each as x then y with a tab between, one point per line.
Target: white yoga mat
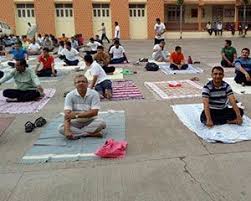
189	115
165	68
237	88
117	74
59	65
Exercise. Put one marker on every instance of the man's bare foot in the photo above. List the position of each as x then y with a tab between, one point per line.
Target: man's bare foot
11	100
108	94
96	134
69	135
232	121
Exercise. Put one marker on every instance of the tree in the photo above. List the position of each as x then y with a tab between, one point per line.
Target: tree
245	3
180	4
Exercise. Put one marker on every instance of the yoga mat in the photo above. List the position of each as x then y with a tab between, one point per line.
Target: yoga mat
5	123
124	65
187	89
117	75
189	115
60	76
165	68
25	107
52	146
237	88
125	90
60	66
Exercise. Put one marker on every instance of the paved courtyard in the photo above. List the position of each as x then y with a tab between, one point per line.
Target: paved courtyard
165	161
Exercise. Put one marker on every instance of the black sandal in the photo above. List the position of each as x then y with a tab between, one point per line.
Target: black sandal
29	127
40	122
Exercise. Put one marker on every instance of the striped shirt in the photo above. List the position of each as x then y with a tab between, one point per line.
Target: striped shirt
218	97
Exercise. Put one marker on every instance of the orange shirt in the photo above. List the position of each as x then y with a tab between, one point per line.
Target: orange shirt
177	57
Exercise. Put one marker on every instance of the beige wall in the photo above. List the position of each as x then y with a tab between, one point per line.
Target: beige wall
189	19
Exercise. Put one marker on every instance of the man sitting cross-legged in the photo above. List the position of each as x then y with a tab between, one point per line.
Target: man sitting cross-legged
81	110
217	95
70	55
243	68
228	54
28	86
47	61
159	53
117	53
103	59
177	60
100	81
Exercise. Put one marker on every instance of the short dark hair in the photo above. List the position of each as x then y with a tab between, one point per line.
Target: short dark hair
116	23
46	49
246	49
22	62
68	43
177	48
217	68
229	42
100	47
91	39
88	58
116	42
157	19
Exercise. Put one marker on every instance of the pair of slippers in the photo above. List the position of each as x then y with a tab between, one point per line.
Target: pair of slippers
29	126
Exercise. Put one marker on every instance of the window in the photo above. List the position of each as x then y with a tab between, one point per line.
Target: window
229	12
173	13
137	10
25	10
64	10
194	12
101	10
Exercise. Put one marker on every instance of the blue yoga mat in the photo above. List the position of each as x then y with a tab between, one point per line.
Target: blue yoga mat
52	146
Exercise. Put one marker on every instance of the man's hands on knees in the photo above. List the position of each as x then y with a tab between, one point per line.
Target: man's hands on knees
69	115
209	123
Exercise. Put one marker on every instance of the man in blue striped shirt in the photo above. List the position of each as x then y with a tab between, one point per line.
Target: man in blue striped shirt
243	68
217	95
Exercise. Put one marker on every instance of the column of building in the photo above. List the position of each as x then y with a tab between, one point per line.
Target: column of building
155	9
45	16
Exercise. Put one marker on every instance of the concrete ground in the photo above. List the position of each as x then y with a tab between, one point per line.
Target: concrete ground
165	161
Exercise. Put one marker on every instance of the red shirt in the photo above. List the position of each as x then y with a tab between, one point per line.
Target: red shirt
177	57
47	62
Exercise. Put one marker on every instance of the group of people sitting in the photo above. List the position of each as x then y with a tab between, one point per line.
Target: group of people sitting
83	103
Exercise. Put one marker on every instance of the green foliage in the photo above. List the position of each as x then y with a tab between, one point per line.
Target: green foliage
181	2
245	2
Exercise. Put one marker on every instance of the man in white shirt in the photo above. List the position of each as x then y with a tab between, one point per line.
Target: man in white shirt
103	31
70	55
100	81
219	28
159	29
93	46
117	53
117	30
81	112
34	48
159	54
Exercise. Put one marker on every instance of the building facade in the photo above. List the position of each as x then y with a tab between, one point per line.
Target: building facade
135	17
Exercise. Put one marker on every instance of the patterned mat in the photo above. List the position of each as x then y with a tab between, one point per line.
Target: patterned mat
25	107
187	89
125	90
52	146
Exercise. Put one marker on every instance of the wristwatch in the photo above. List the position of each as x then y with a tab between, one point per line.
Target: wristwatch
76	116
